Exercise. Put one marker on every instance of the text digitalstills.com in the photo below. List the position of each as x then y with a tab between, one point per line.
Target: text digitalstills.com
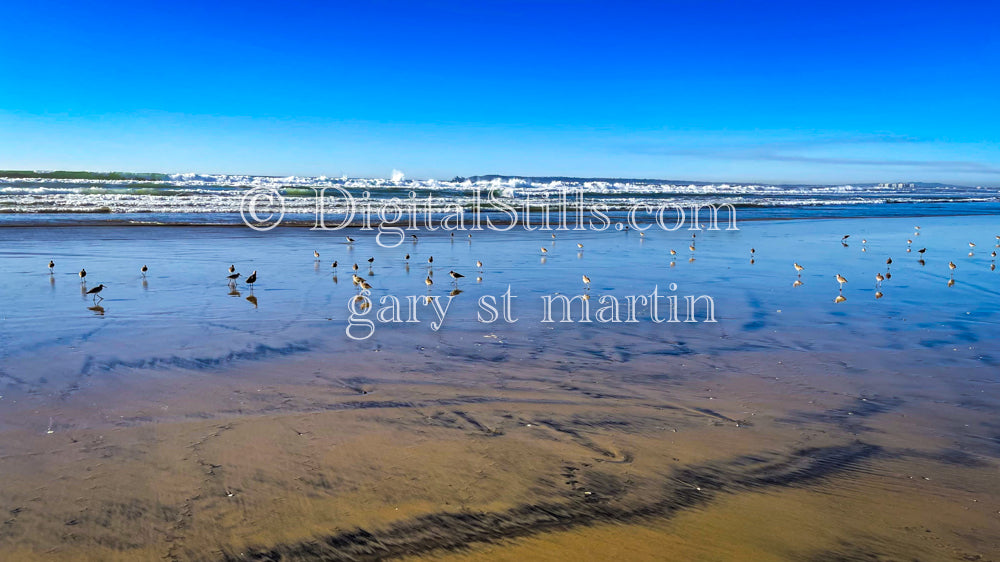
263	208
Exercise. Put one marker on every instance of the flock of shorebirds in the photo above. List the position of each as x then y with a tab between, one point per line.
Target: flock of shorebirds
362	284
881	277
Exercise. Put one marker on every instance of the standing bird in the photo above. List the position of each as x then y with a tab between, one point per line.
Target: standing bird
479	264
407	258
232	269
349	240
52	267
952	266
691	247
143	270
878	279
232	278
455	276
921	251
972	244
798	268
315	254
354	267
888	261
580	246
334	264
371	260
841	280
586	281
844	239
430	260
428	282
753	252
83	275
545	250
96	292
673	252
252	279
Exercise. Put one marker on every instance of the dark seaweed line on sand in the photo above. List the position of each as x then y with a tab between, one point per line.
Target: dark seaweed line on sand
687	488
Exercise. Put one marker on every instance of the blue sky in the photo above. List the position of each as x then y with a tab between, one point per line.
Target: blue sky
822	92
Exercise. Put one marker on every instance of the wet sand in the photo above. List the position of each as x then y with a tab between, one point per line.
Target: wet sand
193	429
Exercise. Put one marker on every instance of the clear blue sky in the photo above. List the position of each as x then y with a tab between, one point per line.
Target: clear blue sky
752	91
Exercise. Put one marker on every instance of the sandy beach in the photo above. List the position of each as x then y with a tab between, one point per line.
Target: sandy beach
184	422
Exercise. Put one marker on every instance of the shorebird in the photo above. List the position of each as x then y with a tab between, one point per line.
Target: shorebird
406	257
354	267
545	250
921	251
753	251
798	268
888	261
83	275
844	239
553	235
580	246
315	254
673	252
233	277
52	266
414	237
334	264
916	228
96	291
586	281
371	260
878	279
143	270
232	269
455	276
972	244
994	254
952	266
252	279
349	240
365	285
841	280
691	247
909	241
428	282
479	264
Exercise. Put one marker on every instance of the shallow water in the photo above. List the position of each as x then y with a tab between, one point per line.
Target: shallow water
837	402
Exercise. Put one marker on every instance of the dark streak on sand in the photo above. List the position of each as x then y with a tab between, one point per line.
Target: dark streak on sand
686	488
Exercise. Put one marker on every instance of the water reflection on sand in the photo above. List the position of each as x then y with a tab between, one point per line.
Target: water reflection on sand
186	421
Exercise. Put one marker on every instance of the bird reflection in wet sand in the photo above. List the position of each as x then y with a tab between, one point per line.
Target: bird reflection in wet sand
252	300
233	292
145	284
455	292
97	309
878	294
797	283
951	282
334	278
840	299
